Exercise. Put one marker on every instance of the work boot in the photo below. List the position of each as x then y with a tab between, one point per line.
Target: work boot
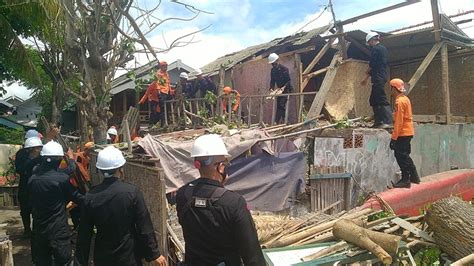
385	126
402	183
414	177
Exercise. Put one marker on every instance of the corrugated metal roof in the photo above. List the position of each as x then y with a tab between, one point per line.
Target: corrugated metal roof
292	42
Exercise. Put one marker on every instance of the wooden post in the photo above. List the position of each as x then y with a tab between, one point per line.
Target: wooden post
249	112
124	103
436	20
287	109
299	70
424	65
127	135
6	253
445	81
274	108
221	88
261	110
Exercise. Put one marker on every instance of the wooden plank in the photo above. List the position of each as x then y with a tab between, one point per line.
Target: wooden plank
127	136
320	97
354	19
315	73
318	57
415	230
357	44
287	109
445	82
436	20
424	65
342	41
274	108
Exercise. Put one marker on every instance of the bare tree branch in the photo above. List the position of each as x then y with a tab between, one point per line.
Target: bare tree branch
191	7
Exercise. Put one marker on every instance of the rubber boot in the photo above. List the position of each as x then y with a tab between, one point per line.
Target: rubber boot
402	183
414	177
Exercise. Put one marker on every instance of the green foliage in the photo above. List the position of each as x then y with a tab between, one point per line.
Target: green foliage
428	256
378	216
343	123
11	136
210	98
10	173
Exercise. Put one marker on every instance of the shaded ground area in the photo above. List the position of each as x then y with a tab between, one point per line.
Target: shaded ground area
10	223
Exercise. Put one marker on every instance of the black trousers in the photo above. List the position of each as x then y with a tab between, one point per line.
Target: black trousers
402	154
154	115
25	211
380	105
280	109
51	251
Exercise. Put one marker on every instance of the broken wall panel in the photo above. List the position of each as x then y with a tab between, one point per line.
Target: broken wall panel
435	148
253	78
347	97
427	96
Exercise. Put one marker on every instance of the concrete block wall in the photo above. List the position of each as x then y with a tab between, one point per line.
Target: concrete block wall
435	148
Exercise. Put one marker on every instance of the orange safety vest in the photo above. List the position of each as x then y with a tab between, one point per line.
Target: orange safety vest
236	104
151	93
402	118
163	82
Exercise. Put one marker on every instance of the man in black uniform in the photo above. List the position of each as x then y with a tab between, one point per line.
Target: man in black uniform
26	158
378	74
217	226
125	233
50	190
279	76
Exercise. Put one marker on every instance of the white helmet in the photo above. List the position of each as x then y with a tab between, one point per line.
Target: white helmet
110	158
183	75
272	58
52	148
371	35
31	133
112	131
209	145
198	72
33	142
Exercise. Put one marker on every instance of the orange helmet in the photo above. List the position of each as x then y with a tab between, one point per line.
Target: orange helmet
163	63
227	90
398	84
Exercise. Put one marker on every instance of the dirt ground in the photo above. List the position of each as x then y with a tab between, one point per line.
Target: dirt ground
10	222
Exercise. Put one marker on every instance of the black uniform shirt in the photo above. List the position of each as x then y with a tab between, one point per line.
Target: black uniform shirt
125	232
21	159
203	85
280	75
378	63
49	193
222	233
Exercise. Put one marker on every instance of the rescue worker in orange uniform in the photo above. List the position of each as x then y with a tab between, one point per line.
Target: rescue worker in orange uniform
164	88
152	95
233	96
402	134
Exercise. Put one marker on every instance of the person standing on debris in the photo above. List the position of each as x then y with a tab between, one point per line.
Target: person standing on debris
203	85
112	135
279	80
234	97
152	96
24	167
378	74
164	88
184	88
50	190
217	226
402	134
118	211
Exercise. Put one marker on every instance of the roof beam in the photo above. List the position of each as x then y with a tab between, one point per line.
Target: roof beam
436	20
424	65
354	19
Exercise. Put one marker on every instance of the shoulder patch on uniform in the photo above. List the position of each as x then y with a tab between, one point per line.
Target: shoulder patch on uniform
200	202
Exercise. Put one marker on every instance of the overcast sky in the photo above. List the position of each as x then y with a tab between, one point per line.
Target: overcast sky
236	24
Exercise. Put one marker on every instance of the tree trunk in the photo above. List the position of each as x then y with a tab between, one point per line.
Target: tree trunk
54	106
380	244
452	221
100	132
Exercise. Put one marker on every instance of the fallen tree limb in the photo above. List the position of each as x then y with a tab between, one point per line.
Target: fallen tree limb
464	261
380	244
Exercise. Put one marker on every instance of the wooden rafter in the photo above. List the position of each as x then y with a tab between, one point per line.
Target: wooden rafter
424	65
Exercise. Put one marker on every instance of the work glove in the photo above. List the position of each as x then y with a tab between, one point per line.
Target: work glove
392	144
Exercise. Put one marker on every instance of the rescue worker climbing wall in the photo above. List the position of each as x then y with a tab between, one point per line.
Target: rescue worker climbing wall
378	74
402	134
217	226
117	210
24	164
279	77
50	190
